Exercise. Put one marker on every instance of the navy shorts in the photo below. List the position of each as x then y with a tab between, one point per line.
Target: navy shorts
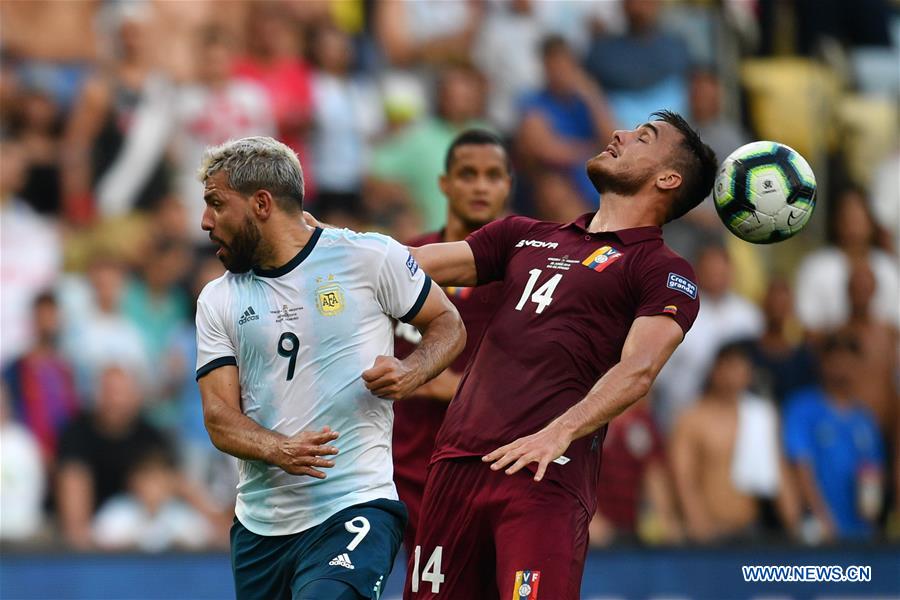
356	545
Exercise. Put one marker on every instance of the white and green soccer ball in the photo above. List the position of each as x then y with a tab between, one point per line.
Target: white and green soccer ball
765	192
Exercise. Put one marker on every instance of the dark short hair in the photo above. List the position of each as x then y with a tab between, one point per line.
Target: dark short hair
475	137
694	160
44	298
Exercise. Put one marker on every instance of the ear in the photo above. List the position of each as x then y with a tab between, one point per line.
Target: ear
668	180
443	183
262	204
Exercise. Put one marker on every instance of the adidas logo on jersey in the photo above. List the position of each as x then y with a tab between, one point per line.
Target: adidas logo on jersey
249	315
342	560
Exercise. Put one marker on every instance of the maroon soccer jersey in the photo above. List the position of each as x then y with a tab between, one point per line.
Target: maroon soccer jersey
569	298
417	420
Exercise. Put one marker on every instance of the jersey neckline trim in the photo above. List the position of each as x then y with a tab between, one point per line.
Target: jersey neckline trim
294	262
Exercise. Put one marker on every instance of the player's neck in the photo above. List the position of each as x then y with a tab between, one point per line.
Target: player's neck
283	242
456	230
623	212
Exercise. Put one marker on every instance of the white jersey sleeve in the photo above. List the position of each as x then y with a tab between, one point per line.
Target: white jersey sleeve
215	347
402	286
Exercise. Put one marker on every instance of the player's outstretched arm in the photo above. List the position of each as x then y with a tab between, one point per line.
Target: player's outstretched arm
450	263
443	338
650	342
233	432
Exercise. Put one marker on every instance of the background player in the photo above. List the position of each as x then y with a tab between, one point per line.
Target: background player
476	182
590	312
282	340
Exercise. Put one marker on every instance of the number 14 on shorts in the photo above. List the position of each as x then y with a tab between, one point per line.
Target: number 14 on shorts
432	571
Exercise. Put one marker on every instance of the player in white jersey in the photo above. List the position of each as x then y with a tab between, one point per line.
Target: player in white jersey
295	366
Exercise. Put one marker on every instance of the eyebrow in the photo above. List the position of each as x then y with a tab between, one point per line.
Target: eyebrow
651	127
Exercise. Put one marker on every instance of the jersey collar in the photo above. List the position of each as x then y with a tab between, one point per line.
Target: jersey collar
292	264
630	236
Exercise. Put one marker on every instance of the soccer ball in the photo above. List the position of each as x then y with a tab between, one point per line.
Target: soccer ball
765	192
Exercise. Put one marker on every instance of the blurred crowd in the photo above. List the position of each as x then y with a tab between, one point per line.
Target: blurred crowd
777	418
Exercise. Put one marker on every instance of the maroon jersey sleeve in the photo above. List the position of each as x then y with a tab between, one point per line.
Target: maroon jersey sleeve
492	244
666	285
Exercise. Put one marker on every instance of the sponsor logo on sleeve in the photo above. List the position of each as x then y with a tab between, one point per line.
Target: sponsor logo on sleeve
683	285
602	258
526	586
412	265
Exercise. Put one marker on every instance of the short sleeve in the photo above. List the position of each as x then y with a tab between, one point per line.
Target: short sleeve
402	286
73	445
491	246
667	286
214	347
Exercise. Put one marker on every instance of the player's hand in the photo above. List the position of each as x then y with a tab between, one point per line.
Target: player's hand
301	453
542	447
391	378
311	220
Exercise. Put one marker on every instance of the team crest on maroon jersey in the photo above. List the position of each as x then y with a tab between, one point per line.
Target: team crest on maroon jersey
602	258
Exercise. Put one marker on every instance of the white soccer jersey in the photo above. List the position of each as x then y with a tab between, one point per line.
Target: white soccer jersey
301	336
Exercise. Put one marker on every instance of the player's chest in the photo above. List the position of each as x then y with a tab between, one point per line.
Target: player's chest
322	300
583	279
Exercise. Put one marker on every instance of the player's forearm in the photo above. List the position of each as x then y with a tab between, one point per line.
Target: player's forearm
236	434
619	388
442	341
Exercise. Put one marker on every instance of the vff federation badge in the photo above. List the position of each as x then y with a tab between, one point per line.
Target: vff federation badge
526	587
330	300
602	258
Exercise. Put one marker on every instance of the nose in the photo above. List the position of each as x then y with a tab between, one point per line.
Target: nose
618	135
206	222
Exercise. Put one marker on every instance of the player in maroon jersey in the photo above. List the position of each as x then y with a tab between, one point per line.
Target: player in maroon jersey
476	182
589	313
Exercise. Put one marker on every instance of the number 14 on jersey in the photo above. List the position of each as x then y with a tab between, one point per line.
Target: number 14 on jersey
543	296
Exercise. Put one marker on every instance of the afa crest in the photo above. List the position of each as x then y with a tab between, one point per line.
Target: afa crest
330	300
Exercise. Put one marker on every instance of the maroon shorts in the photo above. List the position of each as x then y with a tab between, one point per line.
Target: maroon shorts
484	534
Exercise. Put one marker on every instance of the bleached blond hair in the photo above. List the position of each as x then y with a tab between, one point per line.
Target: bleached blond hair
257	163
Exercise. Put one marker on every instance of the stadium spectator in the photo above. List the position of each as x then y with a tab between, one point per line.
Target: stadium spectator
885	207
822	277
96	451
563	125
643	69
31	252
274	61
23	475
215	107
727	459
422	32
783	363
507	51
41	381
116	136
411	160
635	498
150	515
877	340
156	306
348	114
724	317
37	129
837	452
96	331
